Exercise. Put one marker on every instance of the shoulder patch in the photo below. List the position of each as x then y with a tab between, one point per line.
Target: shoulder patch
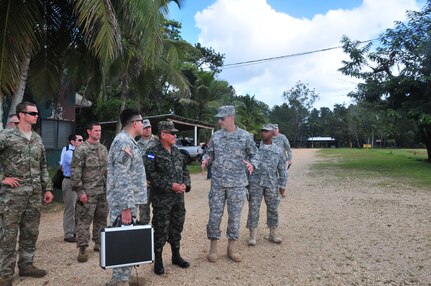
151	156
124	159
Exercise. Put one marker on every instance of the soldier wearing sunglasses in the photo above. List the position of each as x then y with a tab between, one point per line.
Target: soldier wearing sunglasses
26	183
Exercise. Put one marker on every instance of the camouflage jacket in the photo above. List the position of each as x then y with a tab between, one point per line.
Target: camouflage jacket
145	144
88	169
126	182
227	152
272	171
284	144
164	168
24	159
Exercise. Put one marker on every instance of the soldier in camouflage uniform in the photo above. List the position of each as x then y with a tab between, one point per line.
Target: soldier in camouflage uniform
147	140
229	150
282	141
25	181
268	182
127	184
88	178
169	178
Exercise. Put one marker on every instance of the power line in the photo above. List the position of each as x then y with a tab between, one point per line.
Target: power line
252	62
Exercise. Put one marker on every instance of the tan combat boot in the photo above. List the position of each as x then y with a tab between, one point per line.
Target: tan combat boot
252	238
231	251
6	281
212	256
273	235
82	256
29	270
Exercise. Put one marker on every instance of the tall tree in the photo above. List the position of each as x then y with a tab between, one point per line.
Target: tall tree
251	113
398	72
300	99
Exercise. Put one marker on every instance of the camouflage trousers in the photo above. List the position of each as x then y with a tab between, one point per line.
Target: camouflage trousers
18	211
94	211
120	273
272	201
218	197
145	209
169	214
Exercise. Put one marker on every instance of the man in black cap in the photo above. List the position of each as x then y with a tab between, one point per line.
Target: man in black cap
169	178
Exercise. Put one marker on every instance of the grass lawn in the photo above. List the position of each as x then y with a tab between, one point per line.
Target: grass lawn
409	165
195	168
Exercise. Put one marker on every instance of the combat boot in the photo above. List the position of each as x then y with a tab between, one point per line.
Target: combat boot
273	235
96	247
212	256
177	259
231	251
252	238
158	263
29	270
82	256
6	281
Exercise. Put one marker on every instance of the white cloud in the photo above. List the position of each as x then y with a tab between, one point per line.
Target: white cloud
251	29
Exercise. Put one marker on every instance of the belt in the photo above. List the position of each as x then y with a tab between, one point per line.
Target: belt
66	177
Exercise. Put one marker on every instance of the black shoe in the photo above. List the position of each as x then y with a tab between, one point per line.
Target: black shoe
71	239
178	260
158	264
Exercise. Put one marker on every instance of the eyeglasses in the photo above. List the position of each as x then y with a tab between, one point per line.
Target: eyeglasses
137	120
32	113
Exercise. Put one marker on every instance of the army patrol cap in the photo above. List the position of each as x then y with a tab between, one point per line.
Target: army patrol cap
275	126
224	111
166	126
267	127
146	123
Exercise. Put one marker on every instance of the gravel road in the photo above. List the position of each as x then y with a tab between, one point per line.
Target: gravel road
336	231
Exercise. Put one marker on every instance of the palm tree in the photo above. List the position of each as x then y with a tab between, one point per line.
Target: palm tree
251	113
207	93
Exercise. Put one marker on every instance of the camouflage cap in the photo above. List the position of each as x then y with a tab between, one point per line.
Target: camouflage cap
166	126
224	111
275	126
267	127
146	123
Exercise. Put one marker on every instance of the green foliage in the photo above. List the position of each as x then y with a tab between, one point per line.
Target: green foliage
401	165
250	113
398	72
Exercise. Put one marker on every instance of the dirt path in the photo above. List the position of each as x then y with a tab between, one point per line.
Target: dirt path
336	231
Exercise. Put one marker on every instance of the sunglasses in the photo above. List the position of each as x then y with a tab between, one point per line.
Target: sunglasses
80	140
32	113
171	133
137	120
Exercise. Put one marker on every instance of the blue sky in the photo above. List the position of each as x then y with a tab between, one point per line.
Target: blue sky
254	29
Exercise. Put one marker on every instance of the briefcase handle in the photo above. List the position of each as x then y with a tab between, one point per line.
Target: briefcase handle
118	221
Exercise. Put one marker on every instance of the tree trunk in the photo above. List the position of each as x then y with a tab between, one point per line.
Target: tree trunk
426	135
1	110
124	91
19	95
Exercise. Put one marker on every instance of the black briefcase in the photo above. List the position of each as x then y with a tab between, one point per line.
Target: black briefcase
126	245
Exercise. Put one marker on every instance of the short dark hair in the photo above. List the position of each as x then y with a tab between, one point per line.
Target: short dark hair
22	106
92	124
128	114
72	137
